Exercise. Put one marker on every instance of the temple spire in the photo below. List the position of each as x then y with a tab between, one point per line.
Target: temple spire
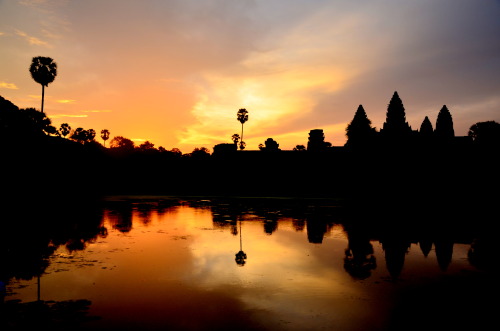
395	123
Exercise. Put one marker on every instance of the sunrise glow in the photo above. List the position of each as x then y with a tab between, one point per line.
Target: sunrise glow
175	73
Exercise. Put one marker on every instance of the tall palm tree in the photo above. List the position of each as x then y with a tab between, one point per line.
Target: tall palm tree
242	117
44	71
105	135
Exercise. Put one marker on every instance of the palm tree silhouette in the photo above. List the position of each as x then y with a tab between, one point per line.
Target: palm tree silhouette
235	137
44	71
242	117
241	256
65	129
105	135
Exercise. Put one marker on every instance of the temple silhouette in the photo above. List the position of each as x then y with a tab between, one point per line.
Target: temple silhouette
397	161
395	133
430	164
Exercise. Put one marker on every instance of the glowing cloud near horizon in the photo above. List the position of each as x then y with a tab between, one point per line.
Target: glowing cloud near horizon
97	111
295	65
9	86
270	96
68	115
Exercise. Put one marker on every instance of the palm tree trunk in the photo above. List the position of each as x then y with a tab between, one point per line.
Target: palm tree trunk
241	240
43	95
241	141
38	289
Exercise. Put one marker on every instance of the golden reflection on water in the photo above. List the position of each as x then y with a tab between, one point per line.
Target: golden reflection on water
176	268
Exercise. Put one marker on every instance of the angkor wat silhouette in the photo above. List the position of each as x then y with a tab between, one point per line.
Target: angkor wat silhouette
395	132
395	161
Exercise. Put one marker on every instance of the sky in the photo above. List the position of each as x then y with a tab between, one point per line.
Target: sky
176	72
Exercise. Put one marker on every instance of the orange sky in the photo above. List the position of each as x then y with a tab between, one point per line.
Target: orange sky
176	72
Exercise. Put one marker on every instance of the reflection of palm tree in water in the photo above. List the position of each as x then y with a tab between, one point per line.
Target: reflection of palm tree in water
241	256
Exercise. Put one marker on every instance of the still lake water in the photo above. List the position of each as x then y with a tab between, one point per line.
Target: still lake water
173	264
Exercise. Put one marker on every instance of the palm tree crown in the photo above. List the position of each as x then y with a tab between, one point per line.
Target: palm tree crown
105	135
44	71
242	115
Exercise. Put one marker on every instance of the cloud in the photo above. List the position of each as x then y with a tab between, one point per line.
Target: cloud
65	101
97	111
51	35
44	6
33	3
68	115
279	86
32	40
189	65
9	86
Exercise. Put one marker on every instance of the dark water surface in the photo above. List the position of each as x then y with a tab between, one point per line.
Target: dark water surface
175	264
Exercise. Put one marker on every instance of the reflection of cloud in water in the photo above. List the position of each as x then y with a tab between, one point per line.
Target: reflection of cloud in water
284	274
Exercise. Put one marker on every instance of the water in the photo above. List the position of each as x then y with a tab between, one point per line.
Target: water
171	264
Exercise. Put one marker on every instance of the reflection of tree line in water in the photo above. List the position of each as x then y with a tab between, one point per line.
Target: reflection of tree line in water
395	231
29	238
31	233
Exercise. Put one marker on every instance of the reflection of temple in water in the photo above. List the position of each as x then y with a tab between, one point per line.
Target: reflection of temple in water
316	230
425	245
444	252
361	231
395	250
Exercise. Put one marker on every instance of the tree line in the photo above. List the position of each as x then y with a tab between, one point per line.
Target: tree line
27	136
359	132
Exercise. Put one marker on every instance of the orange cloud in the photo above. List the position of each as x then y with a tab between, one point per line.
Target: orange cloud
97	111
274	98
67	115
9	86
32	40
